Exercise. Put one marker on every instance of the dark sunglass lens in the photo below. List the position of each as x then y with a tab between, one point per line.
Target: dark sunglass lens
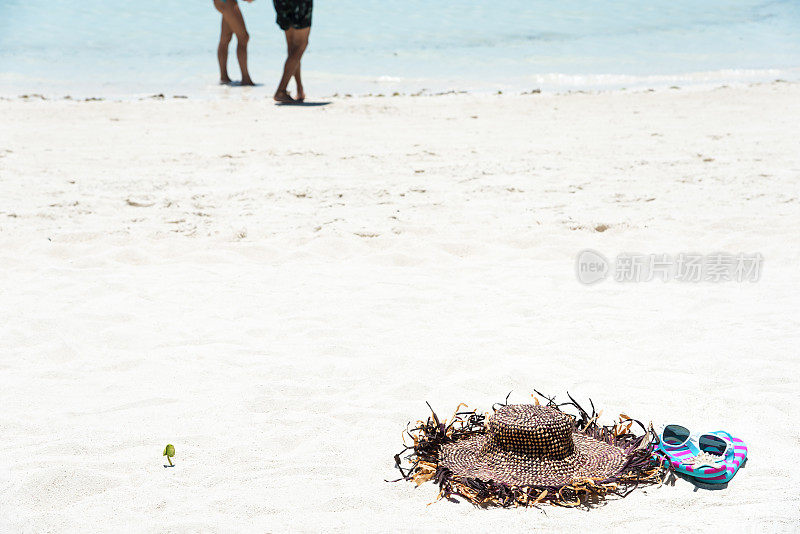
675	434
712	444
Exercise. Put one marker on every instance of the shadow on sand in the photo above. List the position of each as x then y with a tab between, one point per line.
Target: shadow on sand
302	104
697	482
239	84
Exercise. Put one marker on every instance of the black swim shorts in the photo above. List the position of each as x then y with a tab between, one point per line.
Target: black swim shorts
293	13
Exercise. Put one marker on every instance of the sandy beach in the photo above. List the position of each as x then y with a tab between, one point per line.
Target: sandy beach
277	291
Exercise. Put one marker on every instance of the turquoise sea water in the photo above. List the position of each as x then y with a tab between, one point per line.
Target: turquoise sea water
118	48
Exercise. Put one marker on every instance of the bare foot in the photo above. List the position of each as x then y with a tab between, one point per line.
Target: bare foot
247	81
283	96
301	95
225	81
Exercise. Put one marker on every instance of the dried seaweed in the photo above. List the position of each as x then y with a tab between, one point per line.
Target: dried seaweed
422	462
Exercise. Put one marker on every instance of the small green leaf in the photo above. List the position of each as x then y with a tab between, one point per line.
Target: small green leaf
169	451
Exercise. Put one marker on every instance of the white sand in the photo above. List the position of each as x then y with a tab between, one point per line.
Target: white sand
293	284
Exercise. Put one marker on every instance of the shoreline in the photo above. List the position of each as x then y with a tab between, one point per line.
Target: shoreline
387	86
247	92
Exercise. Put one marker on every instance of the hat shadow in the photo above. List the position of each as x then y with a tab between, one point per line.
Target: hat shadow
588	502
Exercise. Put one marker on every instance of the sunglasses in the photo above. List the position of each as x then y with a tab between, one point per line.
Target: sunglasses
677	435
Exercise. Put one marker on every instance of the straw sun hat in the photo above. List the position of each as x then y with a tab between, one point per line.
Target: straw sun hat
525	454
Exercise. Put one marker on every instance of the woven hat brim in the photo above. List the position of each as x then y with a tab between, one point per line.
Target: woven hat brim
592	459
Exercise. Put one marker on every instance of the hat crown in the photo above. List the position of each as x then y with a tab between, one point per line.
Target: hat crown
531	430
